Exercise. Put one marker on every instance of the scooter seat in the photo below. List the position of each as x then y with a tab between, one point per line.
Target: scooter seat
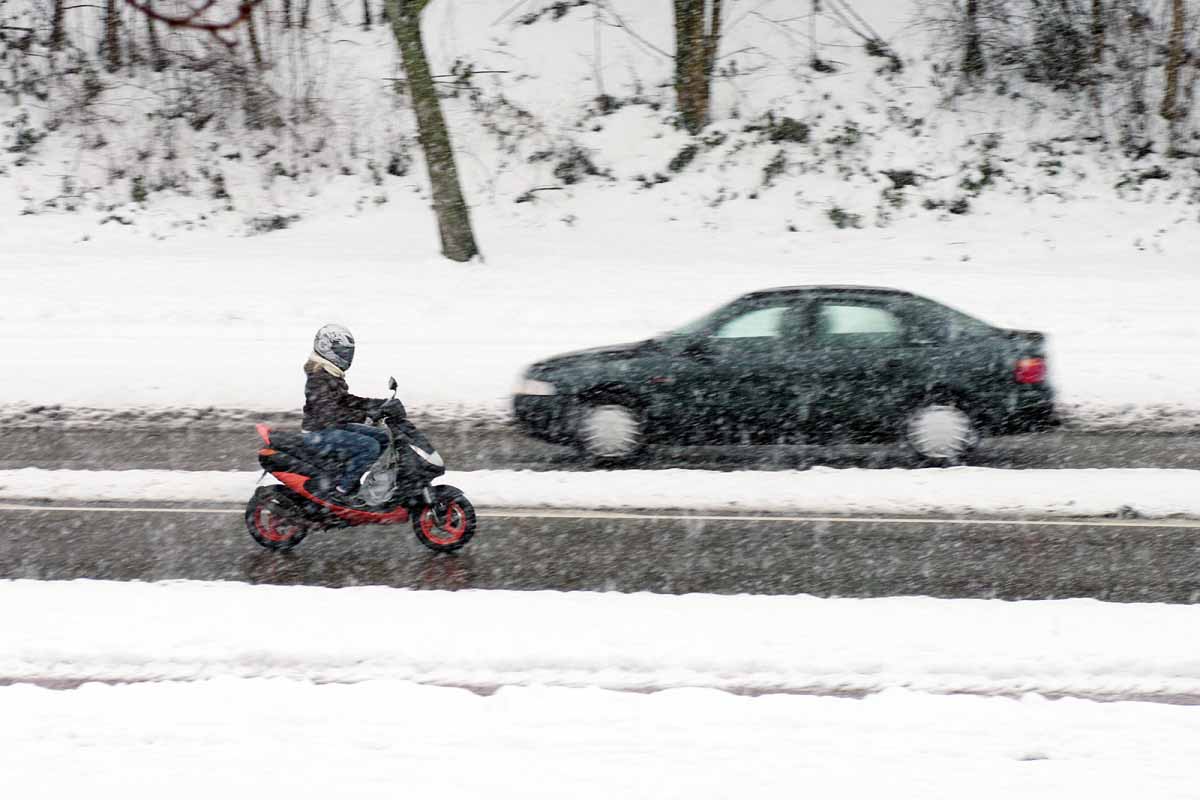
310	459
291	443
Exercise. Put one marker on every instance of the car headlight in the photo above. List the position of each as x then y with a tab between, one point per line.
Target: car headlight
536	388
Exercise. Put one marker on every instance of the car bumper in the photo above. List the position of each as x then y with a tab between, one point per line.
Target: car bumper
549	418
1028	411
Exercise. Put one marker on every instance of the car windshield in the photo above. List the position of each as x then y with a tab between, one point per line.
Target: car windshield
695	326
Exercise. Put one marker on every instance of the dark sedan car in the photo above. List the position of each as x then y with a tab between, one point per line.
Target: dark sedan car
799	365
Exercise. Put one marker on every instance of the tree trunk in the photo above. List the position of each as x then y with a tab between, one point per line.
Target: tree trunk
57	32
366	15
287	13
812	32
454	219
304	9
697	36
133	53
973	63
712	40
1097	31
158	58
110	44
252	34
1175	58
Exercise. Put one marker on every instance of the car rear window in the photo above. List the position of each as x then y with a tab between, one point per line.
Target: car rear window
938	323
857	325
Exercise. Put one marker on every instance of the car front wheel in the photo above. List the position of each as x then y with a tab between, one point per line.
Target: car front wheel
941	434
610	433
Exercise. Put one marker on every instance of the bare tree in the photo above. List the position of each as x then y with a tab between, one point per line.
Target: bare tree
453	217
973	63
1175	59
198	17
255	47
697	35
1098	30
158	56
58	35
110	43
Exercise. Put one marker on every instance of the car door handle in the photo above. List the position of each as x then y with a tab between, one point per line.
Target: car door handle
893	363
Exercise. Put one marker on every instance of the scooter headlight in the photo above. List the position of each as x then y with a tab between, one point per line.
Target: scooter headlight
434	458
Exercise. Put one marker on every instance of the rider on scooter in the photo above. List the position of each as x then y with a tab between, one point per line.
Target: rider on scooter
333	418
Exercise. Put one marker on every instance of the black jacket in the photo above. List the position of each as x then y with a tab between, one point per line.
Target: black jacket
328	402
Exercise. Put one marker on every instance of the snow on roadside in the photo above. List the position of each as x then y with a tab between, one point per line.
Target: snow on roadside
110	316
1150	493
387	739
256	738
190	630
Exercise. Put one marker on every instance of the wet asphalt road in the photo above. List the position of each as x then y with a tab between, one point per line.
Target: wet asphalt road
492	447
846	558
1108	560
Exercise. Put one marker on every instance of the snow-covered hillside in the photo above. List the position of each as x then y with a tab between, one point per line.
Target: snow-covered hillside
131	279
554	117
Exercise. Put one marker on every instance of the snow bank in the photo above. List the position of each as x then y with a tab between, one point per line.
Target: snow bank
239	702
109	316
94	630
1153	493
382	740
228	322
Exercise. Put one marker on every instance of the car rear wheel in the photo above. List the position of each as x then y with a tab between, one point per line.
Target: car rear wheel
610	433
941	433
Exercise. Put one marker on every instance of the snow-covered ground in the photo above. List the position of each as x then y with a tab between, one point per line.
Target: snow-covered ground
228	322
181	308
189	630
1152	493
384	739
112	302
248	692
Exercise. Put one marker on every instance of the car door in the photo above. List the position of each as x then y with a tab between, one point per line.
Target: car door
741	380
866	366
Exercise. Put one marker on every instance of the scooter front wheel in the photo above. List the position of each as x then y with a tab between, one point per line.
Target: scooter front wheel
273	519
449	523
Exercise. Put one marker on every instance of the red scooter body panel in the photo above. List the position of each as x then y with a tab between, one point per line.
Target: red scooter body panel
297	483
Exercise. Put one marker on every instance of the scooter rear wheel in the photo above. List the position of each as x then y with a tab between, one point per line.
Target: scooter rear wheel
273	519
452	527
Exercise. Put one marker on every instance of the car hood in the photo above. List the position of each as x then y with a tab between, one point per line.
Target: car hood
593	355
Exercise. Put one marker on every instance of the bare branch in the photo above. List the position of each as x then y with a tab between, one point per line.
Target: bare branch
195	18
620	23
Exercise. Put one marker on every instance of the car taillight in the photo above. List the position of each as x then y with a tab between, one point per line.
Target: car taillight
1030	370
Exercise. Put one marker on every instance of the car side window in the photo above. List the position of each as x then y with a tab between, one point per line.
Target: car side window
759	323
850	324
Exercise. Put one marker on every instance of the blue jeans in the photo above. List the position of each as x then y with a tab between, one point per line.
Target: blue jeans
357	445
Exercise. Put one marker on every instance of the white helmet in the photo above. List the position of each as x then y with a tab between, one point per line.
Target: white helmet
335	344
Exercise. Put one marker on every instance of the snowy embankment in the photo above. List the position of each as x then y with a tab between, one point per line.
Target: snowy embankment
278	738
248	693
165	303
81	630
1151	493
226	323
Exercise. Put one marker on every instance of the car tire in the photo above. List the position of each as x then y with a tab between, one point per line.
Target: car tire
941	433
610	434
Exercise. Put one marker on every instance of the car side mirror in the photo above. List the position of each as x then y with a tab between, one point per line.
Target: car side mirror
392	385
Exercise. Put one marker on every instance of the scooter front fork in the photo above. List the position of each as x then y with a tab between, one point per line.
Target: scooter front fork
434	507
